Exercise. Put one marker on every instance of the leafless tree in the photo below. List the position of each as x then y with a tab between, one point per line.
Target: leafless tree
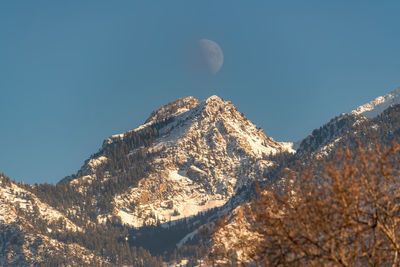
345	212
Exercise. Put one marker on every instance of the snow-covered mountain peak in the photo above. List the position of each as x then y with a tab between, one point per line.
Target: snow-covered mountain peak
181	110
379	104
199	155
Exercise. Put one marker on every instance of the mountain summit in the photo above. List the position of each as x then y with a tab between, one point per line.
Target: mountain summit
196	156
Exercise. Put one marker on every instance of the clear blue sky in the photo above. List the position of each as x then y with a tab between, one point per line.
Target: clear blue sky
75	72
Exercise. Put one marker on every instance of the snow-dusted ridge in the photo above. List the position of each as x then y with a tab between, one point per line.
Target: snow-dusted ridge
379	104
12	196
172	109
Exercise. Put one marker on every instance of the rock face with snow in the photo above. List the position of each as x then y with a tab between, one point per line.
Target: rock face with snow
202	153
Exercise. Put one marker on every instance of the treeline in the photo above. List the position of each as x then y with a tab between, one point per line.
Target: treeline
161	239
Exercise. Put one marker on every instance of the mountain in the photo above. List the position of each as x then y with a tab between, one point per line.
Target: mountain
195	156
188	162
148	195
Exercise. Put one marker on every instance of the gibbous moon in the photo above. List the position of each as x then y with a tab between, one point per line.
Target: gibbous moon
207	57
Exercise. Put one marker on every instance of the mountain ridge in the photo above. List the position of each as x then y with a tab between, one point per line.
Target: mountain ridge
379	104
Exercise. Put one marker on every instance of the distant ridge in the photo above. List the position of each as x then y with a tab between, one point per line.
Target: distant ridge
379	104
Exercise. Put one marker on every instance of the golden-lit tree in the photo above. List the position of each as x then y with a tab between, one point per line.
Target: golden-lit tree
345	212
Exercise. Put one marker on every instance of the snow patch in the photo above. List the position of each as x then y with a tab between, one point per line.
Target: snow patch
289	146
188	200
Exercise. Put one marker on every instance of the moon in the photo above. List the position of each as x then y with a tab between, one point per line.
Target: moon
208	56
